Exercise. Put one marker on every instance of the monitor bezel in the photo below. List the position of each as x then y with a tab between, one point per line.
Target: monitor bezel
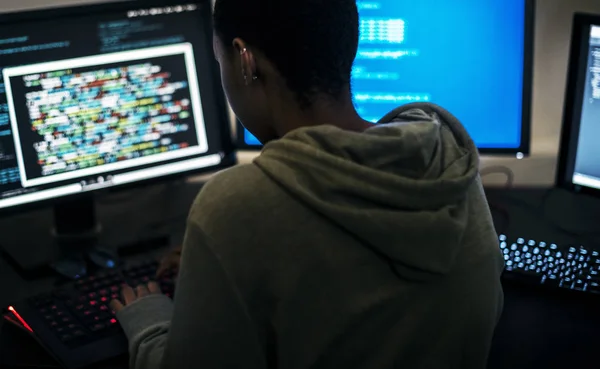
526	120
221	110
573	105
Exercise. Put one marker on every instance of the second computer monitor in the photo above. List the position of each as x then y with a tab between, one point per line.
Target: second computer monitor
472	57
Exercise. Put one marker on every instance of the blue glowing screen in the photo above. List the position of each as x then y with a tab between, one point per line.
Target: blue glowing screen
466	56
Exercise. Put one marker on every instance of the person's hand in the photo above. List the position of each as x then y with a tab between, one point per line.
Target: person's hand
171	261
130	295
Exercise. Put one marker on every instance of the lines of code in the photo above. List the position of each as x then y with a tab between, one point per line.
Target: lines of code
365	5
11	174
92	118
364	73
381	30
8	176
376	75
595	71
31	48
381	54
4	121
121	35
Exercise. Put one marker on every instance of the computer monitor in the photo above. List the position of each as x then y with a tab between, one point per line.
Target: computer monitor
100	97
97	97
472	57
579	161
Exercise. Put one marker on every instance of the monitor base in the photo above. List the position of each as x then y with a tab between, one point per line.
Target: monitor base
70	244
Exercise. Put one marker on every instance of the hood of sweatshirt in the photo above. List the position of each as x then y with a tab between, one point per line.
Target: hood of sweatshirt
400	187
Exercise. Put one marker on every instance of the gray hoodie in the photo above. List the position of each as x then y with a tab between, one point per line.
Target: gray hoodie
335	249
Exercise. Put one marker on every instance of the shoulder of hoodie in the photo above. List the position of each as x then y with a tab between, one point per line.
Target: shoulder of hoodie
236	192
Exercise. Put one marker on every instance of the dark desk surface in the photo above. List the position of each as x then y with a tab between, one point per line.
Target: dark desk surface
126	217
538	329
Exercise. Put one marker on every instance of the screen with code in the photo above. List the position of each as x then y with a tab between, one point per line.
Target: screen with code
106	97
467	56
587	165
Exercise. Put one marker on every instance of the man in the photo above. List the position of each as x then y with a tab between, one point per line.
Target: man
345	244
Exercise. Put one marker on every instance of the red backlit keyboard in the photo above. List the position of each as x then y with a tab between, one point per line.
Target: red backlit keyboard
76	324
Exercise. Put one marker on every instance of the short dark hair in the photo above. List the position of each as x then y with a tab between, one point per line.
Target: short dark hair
312	43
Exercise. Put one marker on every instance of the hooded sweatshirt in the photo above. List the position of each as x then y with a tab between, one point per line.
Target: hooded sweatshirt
335	249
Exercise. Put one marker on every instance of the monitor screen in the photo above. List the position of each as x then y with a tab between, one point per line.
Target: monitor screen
586	171
467	56
106	97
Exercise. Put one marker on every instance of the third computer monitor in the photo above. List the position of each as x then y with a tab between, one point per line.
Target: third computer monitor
579	164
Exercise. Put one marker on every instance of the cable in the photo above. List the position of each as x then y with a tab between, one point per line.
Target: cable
500	169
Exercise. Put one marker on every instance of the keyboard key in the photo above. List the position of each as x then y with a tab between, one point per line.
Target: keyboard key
98	327
61	294
552	280
594	287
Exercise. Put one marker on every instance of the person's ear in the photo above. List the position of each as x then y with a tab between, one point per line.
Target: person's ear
247	61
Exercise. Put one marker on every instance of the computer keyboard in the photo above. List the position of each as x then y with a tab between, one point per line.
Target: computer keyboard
76	325
540	263
75	322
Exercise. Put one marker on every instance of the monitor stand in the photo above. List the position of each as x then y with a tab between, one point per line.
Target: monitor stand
67	242
76	233
38	243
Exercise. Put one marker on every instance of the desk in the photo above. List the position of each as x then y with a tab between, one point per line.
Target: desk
125	217
538	329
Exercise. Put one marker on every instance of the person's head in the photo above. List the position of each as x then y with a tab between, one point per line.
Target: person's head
284	58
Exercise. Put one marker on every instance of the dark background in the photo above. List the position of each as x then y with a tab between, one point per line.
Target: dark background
539	328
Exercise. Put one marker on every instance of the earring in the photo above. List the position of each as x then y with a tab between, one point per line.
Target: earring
249	61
